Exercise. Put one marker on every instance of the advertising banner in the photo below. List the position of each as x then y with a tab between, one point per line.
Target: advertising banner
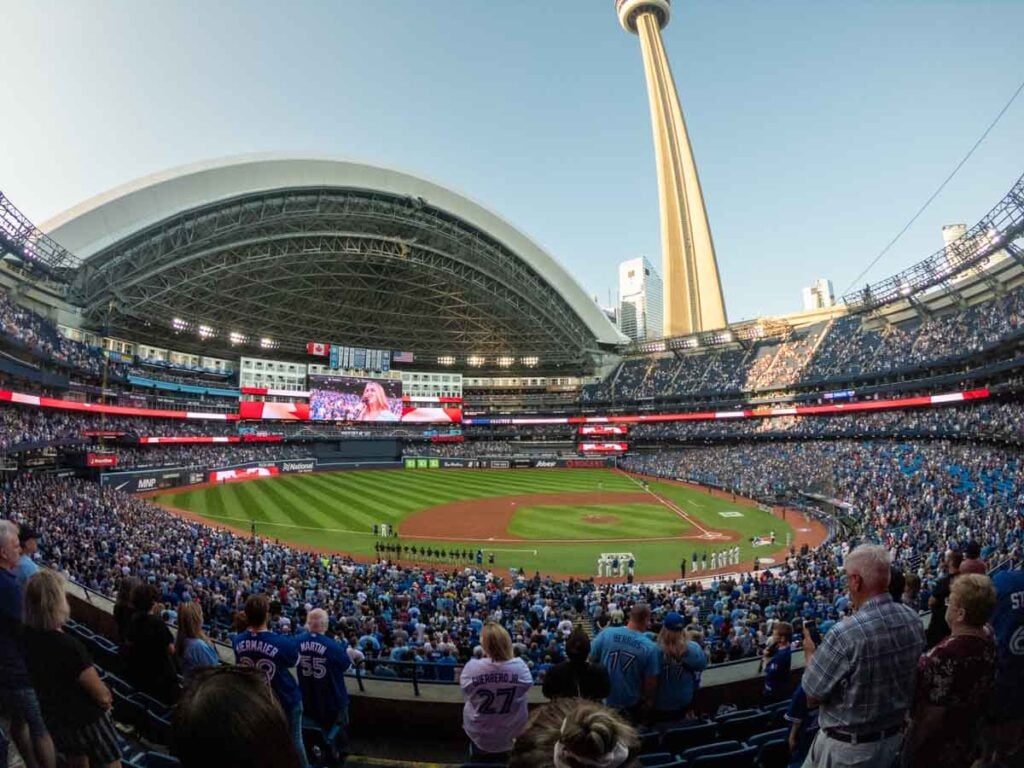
603	447
599	430
140	482
100	460
242	473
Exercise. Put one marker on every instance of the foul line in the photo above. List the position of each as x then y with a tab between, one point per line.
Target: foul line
679	511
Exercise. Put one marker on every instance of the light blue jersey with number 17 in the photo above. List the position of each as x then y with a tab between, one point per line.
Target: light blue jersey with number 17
630	657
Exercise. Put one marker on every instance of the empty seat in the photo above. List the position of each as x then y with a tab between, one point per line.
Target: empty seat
757	739
650	741
777	711
773	753
156	760
710	749
128	711
740	758
740	728
681	738
661	760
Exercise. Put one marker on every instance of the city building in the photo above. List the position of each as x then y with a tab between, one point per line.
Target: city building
819	295
641	307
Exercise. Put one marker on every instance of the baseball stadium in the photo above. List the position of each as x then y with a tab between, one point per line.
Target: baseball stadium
339	442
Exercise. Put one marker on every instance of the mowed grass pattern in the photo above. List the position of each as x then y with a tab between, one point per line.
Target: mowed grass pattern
570	522
337	511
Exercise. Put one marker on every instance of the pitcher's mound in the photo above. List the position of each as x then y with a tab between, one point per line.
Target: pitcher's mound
600	519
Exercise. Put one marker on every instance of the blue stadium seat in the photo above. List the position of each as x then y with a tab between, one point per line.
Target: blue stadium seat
156	760
710	749
650	741
777	711
773	753
661	760
128	711
737	713
740	758
679	739
740	728
757	739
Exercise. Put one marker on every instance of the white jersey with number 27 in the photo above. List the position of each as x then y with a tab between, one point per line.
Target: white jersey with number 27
495	693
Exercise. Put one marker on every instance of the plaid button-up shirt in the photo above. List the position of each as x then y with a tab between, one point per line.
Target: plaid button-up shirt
864	670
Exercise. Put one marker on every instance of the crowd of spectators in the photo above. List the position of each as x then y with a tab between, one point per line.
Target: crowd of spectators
844	347
177	375
205	456
25	425
989	421
40	336
918	498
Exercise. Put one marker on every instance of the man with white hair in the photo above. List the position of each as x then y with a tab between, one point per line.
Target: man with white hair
863	674
322	665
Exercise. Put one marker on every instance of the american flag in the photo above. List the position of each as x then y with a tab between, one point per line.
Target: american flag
402	357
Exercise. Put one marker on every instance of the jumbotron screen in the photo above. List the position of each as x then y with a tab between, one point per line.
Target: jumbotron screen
347	398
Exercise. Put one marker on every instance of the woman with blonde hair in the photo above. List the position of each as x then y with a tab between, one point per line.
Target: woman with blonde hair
575	733
75	702
494	688
192	648
373	405
682	661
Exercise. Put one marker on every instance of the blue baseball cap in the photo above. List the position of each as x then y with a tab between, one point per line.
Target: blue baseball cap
673	622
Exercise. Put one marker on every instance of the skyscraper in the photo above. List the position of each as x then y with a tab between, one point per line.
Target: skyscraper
640	300
819	295
693	290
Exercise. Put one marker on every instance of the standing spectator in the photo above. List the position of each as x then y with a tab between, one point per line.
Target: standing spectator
18	700
955	682
863	674
229	718
1004	739
192	648
681	660
803	725
632	663
150	648
572	732
972	562
322	665
495	689
273	655
123	606
75	702
937	627
777	661
577	678
29	541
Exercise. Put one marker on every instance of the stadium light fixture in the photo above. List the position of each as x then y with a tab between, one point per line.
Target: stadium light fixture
206	332
446	360
474	361
531	361
506	361
178	324
267	343
236	338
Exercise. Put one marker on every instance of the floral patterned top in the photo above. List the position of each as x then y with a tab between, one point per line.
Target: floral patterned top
958	674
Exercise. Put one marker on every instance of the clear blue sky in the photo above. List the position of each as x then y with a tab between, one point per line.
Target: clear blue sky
819	128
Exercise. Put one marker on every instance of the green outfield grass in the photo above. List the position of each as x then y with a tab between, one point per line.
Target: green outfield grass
337	511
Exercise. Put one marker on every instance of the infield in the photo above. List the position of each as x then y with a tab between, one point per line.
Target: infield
550	520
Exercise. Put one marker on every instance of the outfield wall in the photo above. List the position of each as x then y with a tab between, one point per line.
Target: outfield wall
146	480
505	462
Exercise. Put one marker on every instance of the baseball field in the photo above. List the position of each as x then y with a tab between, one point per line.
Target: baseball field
556	521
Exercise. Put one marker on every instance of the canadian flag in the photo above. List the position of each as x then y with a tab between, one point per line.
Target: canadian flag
318	349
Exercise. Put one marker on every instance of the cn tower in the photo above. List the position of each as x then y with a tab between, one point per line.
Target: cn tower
693	290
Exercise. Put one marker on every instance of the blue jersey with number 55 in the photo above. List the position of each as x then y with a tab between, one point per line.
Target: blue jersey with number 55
322	665
272	654
630	657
